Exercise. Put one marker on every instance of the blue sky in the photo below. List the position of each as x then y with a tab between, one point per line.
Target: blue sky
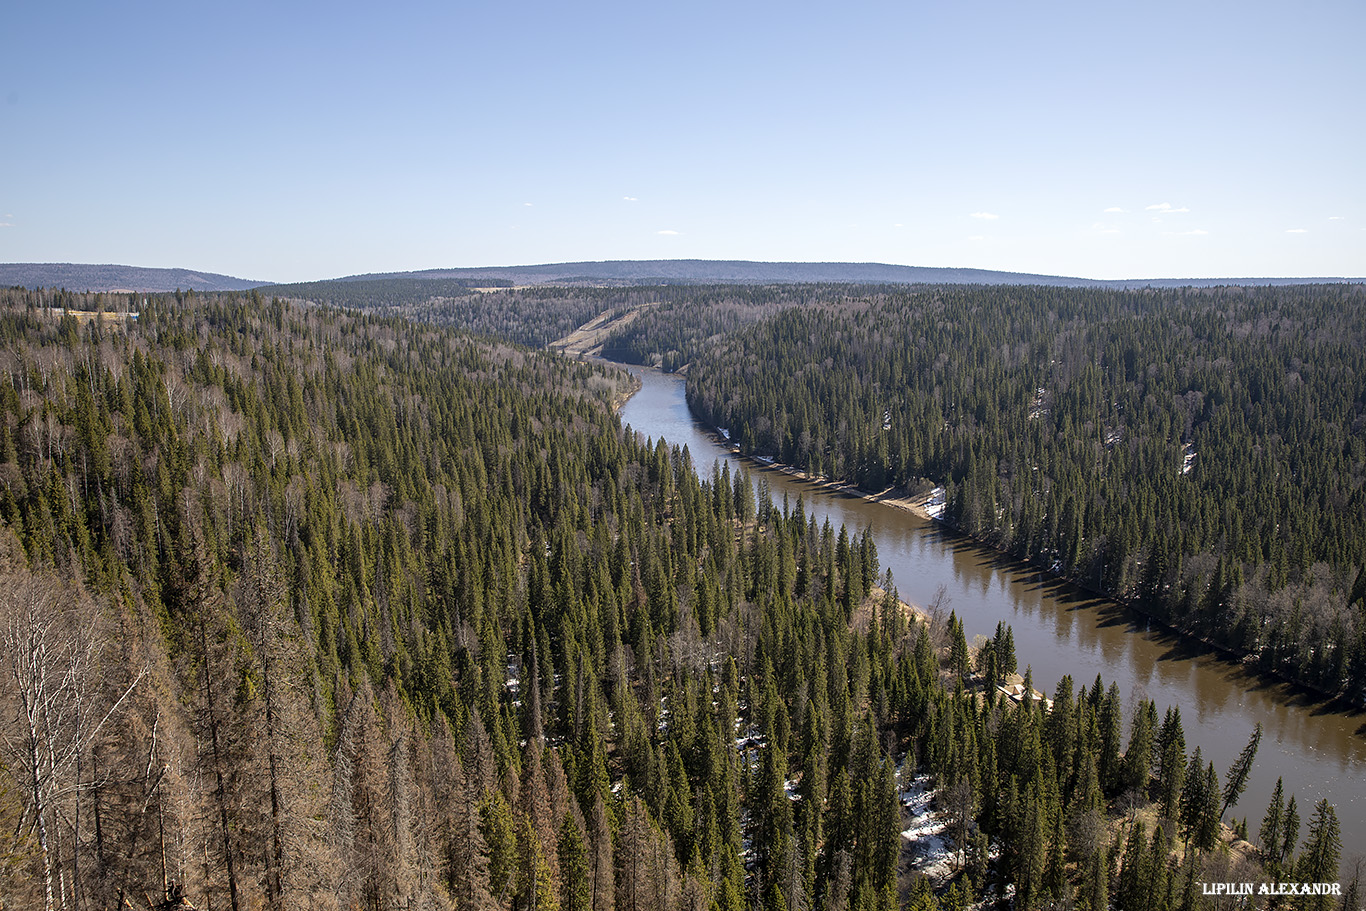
292	141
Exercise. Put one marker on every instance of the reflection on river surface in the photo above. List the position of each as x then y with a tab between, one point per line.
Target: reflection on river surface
1059	629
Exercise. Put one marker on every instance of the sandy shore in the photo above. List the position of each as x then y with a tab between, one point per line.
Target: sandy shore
621	398
912	612
889	497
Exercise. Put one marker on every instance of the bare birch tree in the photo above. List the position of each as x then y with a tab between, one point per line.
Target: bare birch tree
52	711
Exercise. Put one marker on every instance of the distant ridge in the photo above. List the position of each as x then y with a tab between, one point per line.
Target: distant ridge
83	277
86	277
701	271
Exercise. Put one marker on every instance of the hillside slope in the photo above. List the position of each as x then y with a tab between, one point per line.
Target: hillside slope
109	277
698	271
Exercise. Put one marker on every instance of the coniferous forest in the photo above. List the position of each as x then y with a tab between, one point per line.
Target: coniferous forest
1200	453
308	608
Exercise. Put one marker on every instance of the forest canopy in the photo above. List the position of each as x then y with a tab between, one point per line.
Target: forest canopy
1200	453
334	610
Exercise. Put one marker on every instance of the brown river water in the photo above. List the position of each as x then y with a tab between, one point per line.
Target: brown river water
1059	629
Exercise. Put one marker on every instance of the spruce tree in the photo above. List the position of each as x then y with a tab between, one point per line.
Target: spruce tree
1269	835
1290	832
1322	851
1236	780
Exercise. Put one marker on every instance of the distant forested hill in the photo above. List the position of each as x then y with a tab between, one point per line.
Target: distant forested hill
697	300
393	286
84	277
701	271
714	272
673	318
488	307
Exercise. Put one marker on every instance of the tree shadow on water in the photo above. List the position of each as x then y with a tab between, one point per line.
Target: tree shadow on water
1175	645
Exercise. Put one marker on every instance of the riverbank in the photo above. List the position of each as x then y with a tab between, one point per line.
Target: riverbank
1242	662
897	499
917	506
620	399
1142	615
912	612
892	496
1060	629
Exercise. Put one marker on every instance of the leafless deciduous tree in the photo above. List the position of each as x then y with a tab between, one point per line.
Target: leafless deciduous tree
52	709
284	739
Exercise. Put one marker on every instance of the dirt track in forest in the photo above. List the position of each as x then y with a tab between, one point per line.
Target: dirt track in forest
587	340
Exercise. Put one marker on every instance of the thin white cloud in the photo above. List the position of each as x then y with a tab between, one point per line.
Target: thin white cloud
1330	217
630	199
1167	208
977	237
1116	210
667	231
1102	228
1297	231
526	204
1194	232
5	224
986	216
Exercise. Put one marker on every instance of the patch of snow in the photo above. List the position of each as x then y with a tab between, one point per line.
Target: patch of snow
918	797
934	855
936	503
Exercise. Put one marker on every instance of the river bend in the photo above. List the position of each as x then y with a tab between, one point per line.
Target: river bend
1060	629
